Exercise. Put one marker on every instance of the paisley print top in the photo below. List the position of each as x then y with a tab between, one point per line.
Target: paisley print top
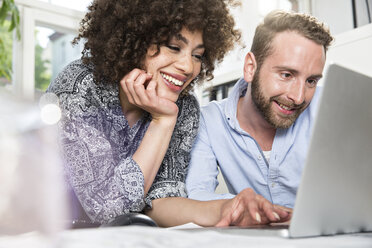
98	145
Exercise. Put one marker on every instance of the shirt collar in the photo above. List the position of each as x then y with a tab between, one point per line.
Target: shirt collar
231	106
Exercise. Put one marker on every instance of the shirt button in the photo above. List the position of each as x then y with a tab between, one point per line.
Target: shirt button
272	185
259	157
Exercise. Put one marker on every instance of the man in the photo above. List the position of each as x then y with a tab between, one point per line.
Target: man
259	135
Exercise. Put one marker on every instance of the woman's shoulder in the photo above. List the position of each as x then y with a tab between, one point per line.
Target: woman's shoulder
70	77
188	105
188	101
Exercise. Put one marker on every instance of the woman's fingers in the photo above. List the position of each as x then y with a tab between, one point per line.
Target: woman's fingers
254	212
126	90
272	212
141	91
134	84
249	208
269	211
284	212
151	91
140	94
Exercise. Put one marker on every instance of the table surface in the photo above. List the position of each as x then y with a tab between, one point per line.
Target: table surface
148	237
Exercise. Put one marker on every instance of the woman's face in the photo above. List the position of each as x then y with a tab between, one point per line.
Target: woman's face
176	64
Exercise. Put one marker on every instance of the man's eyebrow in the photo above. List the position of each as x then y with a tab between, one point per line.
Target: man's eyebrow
186	41
285	68
317	76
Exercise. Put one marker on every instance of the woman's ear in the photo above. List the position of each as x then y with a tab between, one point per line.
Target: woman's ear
250	67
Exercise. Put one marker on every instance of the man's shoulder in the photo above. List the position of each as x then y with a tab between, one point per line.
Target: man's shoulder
214	105
226	106
313	107
318	93
213	109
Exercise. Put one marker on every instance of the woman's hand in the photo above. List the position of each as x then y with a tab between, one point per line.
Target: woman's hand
140	90
249	208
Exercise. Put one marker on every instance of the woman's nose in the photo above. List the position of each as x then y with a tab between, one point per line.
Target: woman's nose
185	64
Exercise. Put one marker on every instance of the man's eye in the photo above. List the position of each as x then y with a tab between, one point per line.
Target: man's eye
312	82
174	48
286	75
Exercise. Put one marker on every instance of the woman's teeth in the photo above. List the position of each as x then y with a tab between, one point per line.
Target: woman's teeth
172	80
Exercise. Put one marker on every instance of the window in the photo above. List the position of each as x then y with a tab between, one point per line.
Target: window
53	51
6	45
45	45
361	12
80	5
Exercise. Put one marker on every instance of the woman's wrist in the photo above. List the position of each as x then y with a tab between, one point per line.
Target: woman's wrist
209	213
165	121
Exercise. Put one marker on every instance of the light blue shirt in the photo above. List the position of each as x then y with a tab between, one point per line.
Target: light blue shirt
221	142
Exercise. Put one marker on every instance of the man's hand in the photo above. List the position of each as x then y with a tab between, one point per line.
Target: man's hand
249	208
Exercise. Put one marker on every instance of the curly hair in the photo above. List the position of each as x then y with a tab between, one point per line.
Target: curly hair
279	21
118	33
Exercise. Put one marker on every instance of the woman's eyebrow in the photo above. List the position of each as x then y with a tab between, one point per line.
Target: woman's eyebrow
182	38
186	41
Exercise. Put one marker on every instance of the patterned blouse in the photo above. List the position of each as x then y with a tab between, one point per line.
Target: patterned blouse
98	145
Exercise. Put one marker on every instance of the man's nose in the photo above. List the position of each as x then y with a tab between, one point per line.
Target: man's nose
297	92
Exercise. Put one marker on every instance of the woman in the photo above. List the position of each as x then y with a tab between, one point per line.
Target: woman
129	120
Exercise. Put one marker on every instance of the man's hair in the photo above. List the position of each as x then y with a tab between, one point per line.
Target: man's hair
118	33
280	21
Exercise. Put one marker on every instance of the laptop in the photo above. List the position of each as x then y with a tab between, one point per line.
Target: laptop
335	193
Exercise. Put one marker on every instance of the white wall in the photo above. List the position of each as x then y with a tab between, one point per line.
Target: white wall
337	14
246	17
353	49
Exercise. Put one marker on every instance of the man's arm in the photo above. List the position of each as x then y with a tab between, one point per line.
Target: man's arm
201	181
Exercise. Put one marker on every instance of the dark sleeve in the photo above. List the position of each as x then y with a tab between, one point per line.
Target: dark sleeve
170	180
106	187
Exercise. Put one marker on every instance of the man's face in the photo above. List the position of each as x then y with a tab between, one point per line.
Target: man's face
286	81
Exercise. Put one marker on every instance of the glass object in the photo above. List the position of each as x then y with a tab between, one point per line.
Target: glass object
32	192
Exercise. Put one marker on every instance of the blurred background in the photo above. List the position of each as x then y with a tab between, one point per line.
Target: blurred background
39	46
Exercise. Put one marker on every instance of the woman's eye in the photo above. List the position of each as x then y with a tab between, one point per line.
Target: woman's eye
174	48
198	56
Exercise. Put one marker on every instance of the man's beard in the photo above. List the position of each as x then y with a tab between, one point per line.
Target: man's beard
263	106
